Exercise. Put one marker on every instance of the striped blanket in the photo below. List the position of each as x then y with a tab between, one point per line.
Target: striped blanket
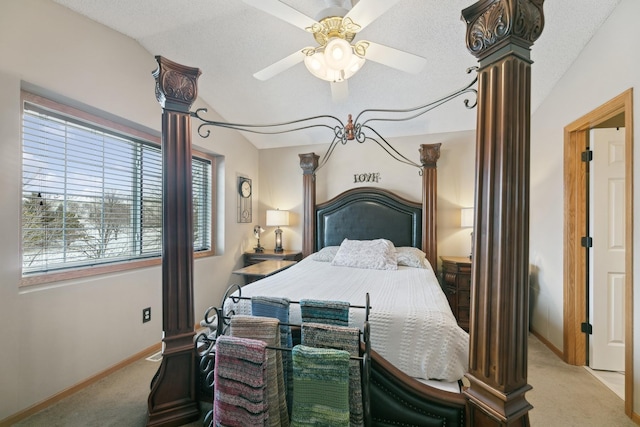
240	382
278	308
321	311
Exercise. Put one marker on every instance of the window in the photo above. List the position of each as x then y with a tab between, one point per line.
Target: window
92	194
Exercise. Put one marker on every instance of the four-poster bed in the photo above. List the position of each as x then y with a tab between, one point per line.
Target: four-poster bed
414	335
499	34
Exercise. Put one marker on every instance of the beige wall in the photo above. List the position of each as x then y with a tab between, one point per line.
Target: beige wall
57	335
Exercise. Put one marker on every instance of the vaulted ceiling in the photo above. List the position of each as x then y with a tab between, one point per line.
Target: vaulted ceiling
230	40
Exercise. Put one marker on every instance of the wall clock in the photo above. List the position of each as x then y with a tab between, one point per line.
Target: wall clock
245	191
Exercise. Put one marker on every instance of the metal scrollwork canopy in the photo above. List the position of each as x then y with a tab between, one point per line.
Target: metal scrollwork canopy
359	129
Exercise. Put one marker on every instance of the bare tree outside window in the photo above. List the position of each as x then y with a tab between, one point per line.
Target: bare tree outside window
46	225
106	218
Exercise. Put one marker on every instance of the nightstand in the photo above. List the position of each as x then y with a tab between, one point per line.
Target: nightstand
456	283
262	264
270	254
262	269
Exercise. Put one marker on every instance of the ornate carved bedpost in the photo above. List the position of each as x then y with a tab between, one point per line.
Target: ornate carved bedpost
308	163
429	155
499	34
172	400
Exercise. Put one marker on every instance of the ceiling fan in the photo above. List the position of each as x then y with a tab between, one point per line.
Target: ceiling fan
336	58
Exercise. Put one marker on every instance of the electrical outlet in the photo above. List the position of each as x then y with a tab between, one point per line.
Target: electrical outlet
146	314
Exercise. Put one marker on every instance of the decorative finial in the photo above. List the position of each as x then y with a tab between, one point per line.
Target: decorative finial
348	129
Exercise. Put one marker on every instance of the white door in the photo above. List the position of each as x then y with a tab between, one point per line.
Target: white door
607	256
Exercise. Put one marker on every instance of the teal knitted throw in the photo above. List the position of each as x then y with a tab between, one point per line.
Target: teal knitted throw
341	338
320	387
328	312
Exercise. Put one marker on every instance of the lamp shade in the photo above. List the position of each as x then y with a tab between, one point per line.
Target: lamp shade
466	217
277	218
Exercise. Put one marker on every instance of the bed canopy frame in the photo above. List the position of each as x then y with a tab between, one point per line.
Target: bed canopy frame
500	34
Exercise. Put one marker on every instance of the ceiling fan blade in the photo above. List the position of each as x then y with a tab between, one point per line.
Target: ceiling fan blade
394	58
339	91
367	11
283	11
280	66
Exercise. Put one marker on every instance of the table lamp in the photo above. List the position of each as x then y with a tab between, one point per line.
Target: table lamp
277	218
256	233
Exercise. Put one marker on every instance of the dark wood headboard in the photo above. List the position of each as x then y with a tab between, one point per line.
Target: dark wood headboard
366	213
369	213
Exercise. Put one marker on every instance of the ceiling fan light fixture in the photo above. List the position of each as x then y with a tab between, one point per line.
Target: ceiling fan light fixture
335	59
338	53
317	65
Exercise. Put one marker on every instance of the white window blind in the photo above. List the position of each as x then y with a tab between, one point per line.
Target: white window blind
92	196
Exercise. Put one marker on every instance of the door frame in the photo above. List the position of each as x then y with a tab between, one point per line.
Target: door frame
576	136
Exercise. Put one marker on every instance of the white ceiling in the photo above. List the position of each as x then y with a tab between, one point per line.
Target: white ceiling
230	40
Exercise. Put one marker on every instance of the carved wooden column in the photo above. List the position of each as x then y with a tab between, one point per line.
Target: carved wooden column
499	34
172	400
308	163
429	155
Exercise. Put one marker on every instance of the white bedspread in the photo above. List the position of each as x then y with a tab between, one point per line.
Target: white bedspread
412	325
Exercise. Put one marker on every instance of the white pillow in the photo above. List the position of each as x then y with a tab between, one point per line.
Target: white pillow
378	254
326	254
412	257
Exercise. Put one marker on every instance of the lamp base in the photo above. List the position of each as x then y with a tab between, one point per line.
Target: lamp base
278	249
258	248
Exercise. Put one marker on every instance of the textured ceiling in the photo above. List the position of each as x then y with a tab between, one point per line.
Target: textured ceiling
230	40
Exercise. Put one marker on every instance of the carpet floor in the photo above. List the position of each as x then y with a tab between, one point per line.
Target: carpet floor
118	400
569	396
562	395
